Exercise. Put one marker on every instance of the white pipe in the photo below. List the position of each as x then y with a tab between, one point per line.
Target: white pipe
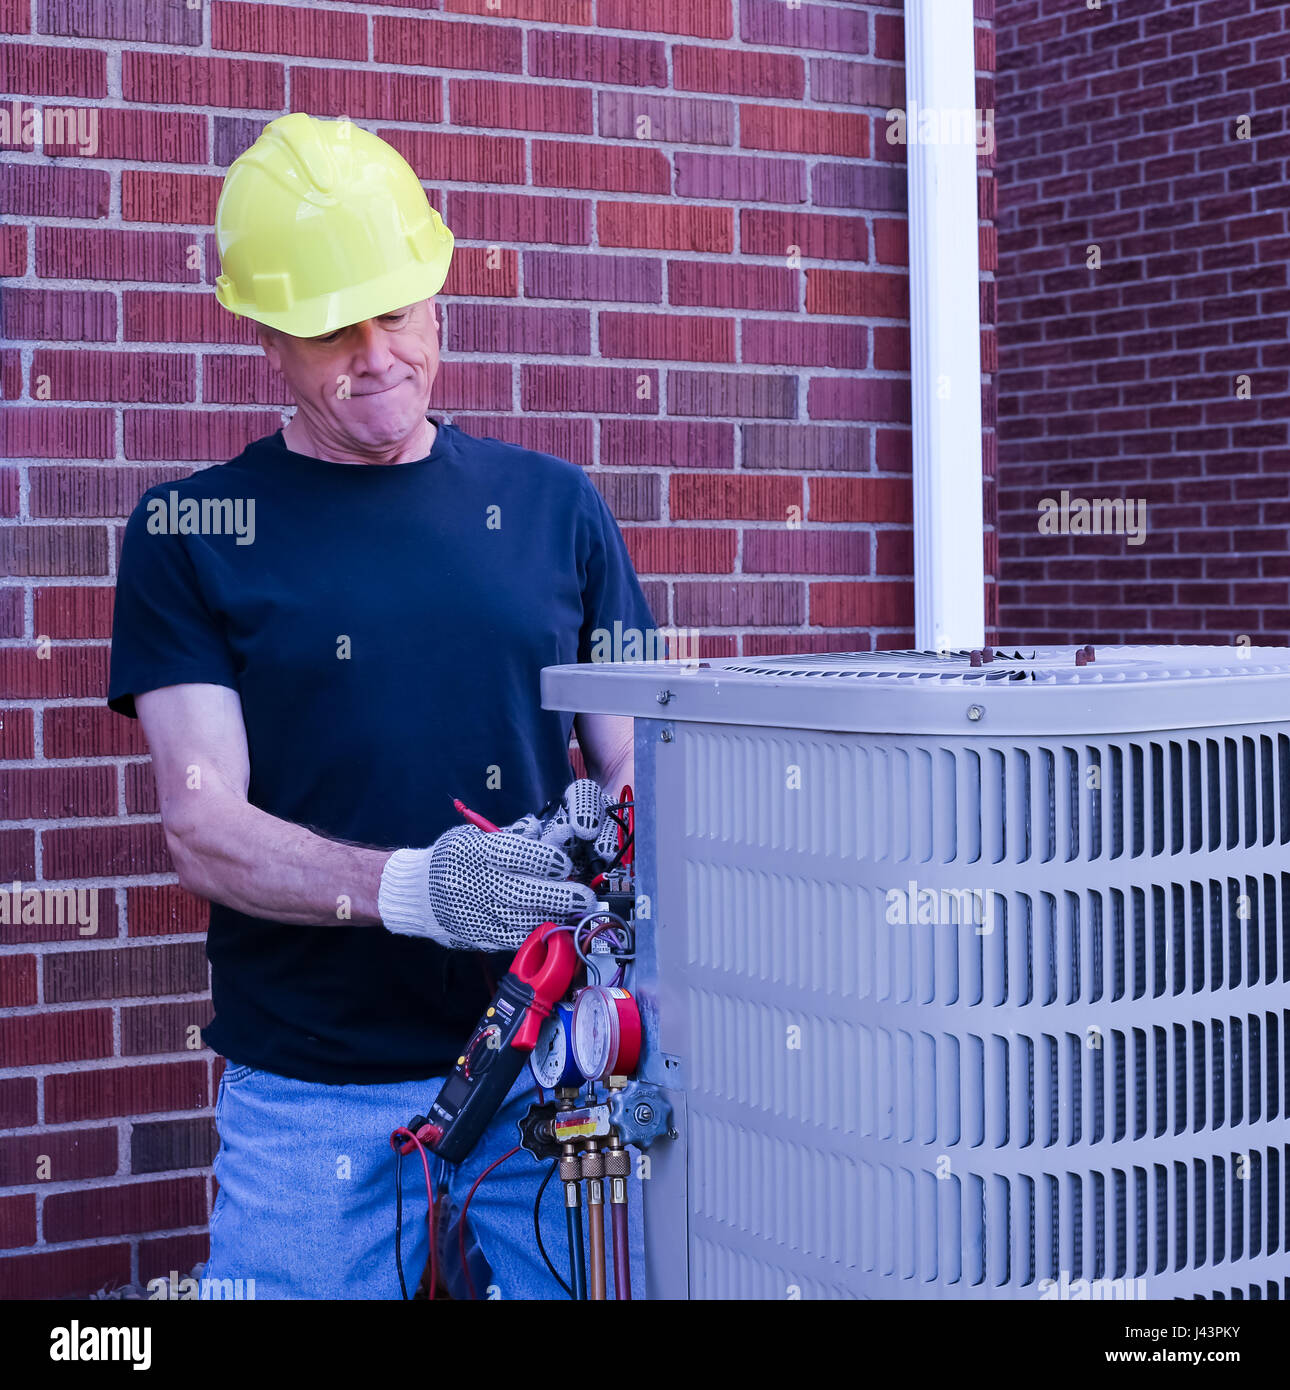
945	329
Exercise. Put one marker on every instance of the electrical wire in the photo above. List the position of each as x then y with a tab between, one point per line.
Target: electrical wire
537	1227
398	1207
461	1220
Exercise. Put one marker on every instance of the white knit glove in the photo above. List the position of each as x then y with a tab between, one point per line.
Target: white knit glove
480	890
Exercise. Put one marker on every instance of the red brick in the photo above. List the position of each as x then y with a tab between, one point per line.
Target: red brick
667	337
481	271
17	1102
70	315
65	917
30	190
508	217
858	398
196	436
667	443
65	1036
165	910
98	491
90	731
66	673
731	394
17	1221
56	70
105	851
13	252
799	551
518	329
438	43
811	132
565	437
755	604
705	19
102	1092
176	78
15	17
817	236
49	793
52	550
164	378
93	1212
670	120
596	58
141	796
740	178
798	344
156	196
556	275
121	19
737	72
879	603
150	1029
519	106
16	734
157	1258
84	1153
743	496
672	226
543	11
17	978
617	168
169	137
724	285
861	499
128	973
806	26
367	96
81	253
680	550
65	1273
616	390
489	159
262	28
858	293
17	854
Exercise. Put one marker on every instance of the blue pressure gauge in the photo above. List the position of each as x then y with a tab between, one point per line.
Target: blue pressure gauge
551	1061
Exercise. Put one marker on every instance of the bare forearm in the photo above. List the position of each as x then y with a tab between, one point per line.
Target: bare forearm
253	862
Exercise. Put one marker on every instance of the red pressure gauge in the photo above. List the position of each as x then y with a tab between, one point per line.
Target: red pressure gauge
606	1032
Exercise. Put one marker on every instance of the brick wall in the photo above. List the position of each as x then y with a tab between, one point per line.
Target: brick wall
1121	129
627	184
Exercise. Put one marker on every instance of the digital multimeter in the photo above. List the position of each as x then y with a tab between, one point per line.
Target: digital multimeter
500	1044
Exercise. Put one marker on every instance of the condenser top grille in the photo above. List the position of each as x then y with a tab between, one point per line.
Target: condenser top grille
1051	665
1017	690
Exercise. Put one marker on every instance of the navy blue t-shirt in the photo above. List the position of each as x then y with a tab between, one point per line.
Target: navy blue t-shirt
385	626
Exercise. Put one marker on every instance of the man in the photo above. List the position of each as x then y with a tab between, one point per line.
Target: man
325	640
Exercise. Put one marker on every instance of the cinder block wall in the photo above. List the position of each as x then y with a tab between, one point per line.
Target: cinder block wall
1151	137
681	263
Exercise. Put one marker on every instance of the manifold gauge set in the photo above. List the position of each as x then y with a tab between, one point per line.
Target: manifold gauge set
565	1011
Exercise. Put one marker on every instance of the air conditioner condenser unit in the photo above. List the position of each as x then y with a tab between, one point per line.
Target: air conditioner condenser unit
967	977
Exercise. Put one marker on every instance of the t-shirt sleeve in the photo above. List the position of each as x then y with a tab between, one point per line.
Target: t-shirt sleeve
611	591
163	633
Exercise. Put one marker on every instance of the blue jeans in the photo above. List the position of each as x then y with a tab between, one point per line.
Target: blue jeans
306	1201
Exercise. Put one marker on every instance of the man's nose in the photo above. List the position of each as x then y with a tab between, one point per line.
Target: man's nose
372	353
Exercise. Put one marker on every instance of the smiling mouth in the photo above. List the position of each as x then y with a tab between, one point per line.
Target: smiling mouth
384	389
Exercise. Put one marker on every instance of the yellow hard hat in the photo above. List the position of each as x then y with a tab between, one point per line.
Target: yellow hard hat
321	224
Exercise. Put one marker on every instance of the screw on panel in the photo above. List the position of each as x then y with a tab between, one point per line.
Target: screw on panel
975	712
665	735
663	696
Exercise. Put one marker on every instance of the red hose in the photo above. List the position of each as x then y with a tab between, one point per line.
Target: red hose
622	1258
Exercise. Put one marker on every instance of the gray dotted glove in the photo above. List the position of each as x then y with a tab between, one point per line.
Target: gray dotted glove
581	824
480	890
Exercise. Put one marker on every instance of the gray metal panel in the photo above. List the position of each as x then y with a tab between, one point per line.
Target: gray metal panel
1037	691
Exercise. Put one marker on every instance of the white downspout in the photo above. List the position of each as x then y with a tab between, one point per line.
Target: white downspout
945	329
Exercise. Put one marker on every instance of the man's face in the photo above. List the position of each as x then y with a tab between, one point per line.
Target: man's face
365	385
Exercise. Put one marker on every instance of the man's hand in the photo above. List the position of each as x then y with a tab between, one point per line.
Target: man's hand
480	890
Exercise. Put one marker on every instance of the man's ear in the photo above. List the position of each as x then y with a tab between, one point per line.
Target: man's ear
268	341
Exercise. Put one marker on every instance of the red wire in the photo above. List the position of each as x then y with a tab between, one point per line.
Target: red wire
461	1223
430	1216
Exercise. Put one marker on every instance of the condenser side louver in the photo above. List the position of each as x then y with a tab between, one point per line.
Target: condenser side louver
965	980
